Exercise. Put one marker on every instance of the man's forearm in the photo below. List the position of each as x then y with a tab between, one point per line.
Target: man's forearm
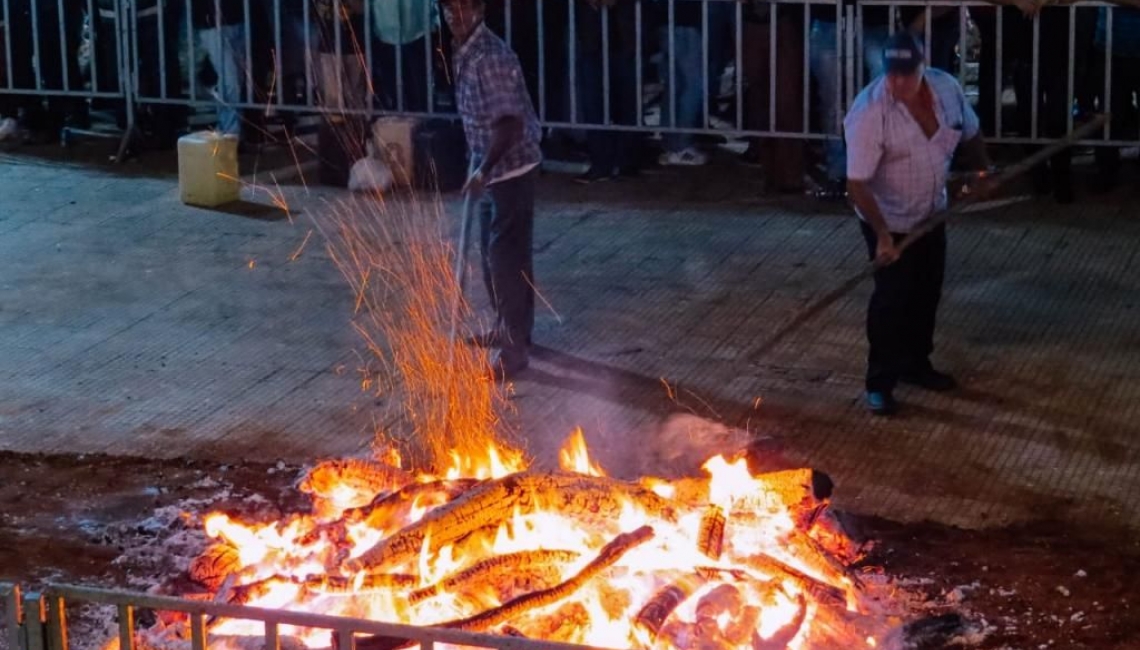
504	134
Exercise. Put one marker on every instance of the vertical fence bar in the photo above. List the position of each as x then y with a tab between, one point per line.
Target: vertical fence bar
197	631
310	78
573	50
56	623
36	44
671	88
428	52
128	43
248	52
1107	108
807	69
368	63
14	607
541	36
95	18
848	67
346	639
191	51
1036	79
34	621
272	638
507	23
126	627
338	54
605	65
399	47
8	42
705	72
219	66
638	74
739	67
839	44
892	18
859	45
1072	68
962	46
999	82
161	18
65	73
278	72
773	17
928	19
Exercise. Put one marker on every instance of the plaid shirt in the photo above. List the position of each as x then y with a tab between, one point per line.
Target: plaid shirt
489	86
886	148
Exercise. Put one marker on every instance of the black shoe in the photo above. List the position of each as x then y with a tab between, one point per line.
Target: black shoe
881	402
930	379
505	367
594	176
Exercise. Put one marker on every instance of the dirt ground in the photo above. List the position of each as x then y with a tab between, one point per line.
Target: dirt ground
112	522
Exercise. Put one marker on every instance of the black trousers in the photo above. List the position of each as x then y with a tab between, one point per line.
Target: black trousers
903	309
506	222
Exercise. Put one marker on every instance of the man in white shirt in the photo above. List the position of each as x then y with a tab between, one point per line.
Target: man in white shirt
902	133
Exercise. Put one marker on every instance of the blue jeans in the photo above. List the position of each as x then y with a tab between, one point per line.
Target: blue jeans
689	93
826	70
225	46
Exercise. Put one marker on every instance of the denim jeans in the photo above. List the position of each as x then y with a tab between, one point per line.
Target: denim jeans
689	92
826	70
225	47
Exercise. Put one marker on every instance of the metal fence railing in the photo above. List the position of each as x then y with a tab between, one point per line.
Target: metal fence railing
742	68
39	621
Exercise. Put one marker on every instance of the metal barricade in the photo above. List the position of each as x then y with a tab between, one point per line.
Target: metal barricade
42	40
38	621
795	65
1049	61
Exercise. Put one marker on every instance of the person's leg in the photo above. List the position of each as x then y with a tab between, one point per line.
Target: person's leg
485	211
927	268
887	314
591	95
512	268
691	79
221	45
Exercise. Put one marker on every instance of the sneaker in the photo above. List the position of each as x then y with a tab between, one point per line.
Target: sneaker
506	367
688	157
881	402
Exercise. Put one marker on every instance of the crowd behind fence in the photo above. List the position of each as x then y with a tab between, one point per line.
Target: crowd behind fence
771	70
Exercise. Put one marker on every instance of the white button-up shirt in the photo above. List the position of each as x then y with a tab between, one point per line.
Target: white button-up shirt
886	148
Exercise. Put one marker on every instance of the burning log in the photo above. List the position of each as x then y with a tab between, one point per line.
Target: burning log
351	482
710	540
819	590
396	506
609	556
214	564
786	634
492	570
494	502
661	606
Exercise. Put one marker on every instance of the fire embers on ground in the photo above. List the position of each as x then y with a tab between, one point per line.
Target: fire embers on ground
729	560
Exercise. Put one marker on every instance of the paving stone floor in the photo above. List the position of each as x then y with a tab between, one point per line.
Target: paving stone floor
131	324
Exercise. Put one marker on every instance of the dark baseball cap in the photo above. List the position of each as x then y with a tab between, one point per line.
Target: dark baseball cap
902	54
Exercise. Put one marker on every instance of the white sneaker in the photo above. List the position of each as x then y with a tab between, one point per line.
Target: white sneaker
689	157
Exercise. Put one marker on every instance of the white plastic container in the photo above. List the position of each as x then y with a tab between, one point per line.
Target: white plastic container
208	169
393	138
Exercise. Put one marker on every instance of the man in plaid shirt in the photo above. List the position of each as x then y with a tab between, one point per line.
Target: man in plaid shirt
503	135
902	132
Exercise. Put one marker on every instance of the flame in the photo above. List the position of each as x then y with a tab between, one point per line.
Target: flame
541	545
574	457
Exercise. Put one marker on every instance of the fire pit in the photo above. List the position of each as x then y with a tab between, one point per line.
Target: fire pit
727	560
